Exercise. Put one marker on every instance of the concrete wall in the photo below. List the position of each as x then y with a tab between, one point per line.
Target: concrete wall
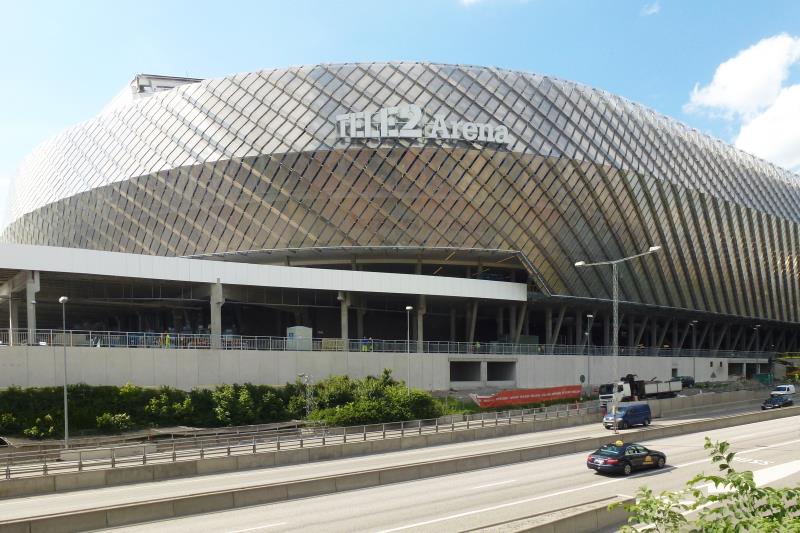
35	366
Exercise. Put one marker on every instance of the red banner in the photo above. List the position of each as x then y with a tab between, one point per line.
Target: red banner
526	396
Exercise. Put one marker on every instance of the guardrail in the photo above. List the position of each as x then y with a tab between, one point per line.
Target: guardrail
117	339
42	463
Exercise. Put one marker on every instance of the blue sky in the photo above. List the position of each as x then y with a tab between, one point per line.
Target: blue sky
63	61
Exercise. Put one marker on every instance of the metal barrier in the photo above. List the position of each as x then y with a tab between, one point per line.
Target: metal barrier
235	442
116	339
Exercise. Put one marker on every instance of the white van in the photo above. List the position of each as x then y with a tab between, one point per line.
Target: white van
782	389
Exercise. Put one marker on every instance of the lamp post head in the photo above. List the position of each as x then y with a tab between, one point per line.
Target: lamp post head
580	263
63	300
654	248
409	308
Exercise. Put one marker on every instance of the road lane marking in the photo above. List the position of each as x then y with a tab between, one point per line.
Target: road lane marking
751	450
567	491
265	526
494	484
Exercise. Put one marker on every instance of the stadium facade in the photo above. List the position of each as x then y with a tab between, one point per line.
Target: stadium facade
428	170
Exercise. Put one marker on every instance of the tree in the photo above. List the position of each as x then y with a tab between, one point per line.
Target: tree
736	505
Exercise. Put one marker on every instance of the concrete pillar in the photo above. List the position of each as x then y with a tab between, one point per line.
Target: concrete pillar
523	319
452	324
13	320
216	301
420	323
484	373
548	326
512	324
473	319
360	323
675	335
31	288
344	298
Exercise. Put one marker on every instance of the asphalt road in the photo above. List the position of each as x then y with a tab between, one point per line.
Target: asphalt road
17	508
477	499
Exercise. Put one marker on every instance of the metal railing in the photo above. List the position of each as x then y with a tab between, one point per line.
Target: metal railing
121	339
248	441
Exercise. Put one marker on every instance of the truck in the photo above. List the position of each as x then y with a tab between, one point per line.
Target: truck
630	389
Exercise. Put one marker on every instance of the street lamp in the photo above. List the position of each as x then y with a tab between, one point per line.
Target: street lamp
63	301
408	344
615	305
306	379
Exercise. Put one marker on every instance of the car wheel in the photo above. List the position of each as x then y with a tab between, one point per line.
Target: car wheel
646	421
660	463
627	469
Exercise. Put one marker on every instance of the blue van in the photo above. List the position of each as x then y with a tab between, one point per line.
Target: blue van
629	415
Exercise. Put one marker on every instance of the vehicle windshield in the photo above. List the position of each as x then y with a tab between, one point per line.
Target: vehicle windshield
609	451
606	389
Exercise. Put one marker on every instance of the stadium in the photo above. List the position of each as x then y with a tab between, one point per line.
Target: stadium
376	203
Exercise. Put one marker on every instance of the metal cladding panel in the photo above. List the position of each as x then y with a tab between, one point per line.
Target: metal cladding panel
253	161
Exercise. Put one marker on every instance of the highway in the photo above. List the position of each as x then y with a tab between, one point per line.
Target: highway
481	498
17	508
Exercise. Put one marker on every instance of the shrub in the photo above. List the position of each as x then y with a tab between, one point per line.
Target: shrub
114	423
9	423
43	428
170	407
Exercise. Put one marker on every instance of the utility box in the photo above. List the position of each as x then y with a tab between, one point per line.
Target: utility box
299	338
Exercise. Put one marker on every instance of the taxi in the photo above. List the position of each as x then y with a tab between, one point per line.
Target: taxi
622	458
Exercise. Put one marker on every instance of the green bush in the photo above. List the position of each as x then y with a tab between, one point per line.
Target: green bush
370	400
114	423
38	412
42	428
9	423
170	407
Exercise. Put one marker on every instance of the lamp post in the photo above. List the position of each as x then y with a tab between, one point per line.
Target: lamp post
306	379
63	301
615	321
408	344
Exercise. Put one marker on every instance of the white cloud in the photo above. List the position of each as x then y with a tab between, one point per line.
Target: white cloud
746	84
750	91
775	134
650	9
470	2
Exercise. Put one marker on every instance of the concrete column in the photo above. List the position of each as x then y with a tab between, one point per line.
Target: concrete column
484	373
512	324
523	319
344	298
548	326
13	320
452	324
31	288
360	323
420	322
675	333
473	319
216	301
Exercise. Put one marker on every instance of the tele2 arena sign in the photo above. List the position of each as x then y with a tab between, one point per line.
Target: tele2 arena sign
408	121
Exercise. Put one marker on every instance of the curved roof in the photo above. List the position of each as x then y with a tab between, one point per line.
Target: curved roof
254	162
